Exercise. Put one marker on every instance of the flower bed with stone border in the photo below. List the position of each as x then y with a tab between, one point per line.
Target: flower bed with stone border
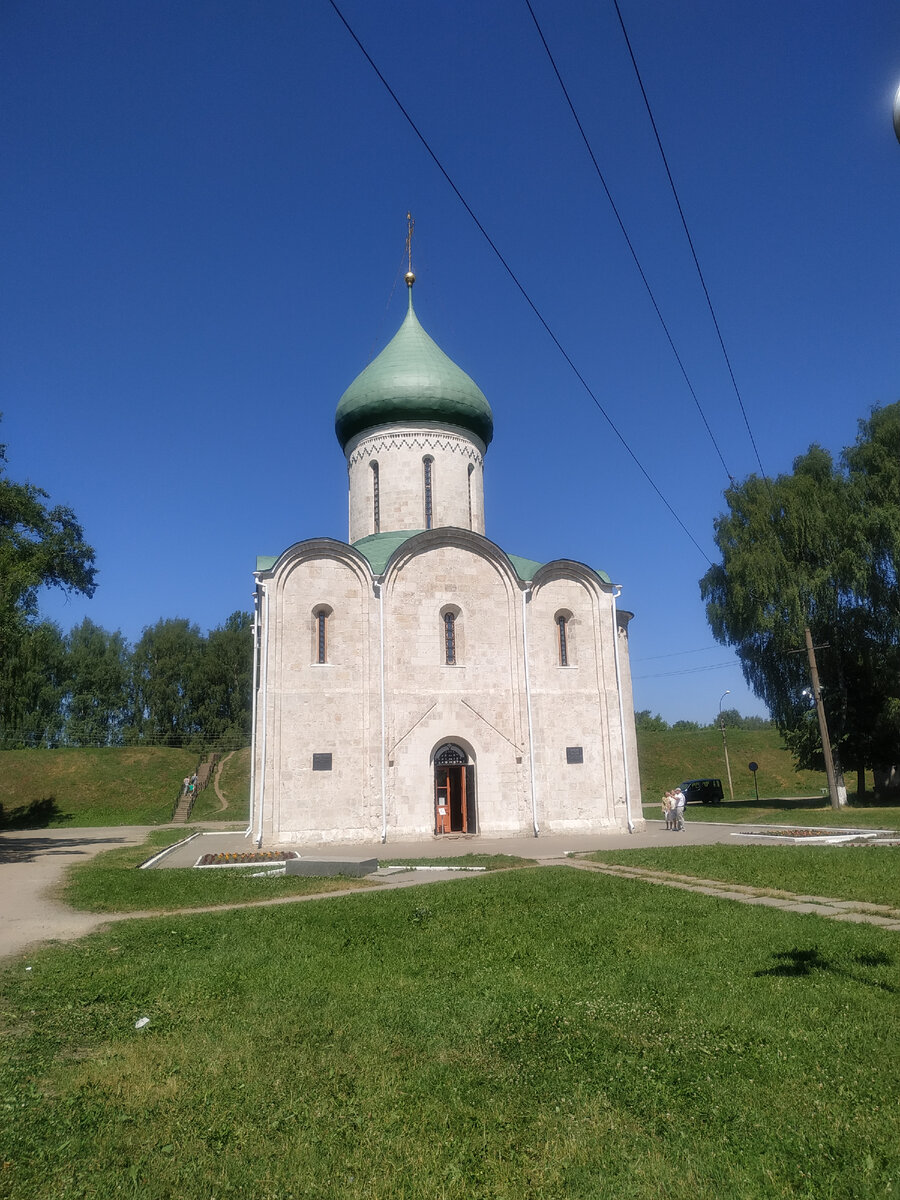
245	858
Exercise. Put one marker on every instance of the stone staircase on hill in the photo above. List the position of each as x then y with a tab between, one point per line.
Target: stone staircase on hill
185	802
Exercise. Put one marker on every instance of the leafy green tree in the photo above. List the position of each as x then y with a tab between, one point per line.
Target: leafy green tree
33	681
39	547
166	681
98	670
223	694
756	723
685	727
819	548
647	723
730	718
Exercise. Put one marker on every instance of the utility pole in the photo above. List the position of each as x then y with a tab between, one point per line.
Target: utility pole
823	724
725	745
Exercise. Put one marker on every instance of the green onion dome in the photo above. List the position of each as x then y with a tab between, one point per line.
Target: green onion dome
412	379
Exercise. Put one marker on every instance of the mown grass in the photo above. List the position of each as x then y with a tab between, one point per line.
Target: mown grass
867	873
810	811
110	882
531	1034
128	785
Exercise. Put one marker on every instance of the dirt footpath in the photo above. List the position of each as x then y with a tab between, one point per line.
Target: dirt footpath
31	865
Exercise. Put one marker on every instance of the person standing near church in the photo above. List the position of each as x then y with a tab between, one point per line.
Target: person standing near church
667	808
678	809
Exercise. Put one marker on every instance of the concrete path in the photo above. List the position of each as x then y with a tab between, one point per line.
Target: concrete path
32	863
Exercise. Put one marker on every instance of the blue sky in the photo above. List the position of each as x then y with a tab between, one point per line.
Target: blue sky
204	220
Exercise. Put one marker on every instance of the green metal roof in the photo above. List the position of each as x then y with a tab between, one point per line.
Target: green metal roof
377	549
525	567
412	379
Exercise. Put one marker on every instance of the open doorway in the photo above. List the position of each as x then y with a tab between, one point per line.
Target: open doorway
454	791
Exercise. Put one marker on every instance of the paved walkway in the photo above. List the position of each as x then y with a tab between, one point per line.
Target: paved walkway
32	863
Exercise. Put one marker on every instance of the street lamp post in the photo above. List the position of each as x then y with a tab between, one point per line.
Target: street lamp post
725	746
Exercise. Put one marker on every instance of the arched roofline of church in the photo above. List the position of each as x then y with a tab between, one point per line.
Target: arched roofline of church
515	569
570	568
451	535
311	548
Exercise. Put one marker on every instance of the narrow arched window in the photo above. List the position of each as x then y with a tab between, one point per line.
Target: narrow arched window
376	500
427	464
450	639
469	483
562	622
322	636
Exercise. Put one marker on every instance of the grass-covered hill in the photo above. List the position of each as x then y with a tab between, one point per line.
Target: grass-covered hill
138	785
668	757
123	785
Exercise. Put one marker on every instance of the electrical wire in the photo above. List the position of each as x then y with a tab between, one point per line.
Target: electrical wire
687	671
628	241
531	304
675	654
687	232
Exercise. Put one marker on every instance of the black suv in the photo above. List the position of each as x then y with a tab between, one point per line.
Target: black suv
709	791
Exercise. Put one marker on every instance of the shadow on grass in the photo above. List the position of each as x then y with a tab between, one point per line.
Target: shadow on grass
800	964
36	815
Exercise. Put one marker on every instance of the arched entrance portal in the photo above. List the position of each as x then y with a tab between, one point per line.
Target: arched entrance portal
454	791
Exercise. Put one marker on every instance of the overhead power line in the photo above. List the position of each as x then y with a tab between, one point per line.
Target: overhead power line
675	654
531	304
628	241
690	240
687	671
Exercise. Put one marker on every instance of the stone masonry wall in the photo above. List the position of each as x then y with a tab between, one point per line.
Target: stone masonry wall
399	453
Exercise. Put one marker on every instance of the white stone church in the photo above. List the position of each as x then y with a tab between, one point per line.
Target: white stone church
417	681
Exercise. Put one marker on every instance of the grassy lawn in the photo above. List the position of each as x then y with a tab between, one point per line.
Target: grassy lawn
867	873
121	786
530	1034
109	882
807	812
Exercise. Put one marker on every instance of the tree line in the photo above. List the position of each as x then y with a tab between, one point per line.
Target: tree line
647	722
174	687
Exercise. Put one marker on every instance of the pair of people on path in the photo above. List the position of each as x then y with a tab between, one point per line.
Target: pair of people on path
673	809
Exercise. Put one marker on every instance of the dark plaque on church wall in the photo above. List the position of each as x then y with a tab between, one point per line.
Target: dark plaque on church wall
321	762
574	754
